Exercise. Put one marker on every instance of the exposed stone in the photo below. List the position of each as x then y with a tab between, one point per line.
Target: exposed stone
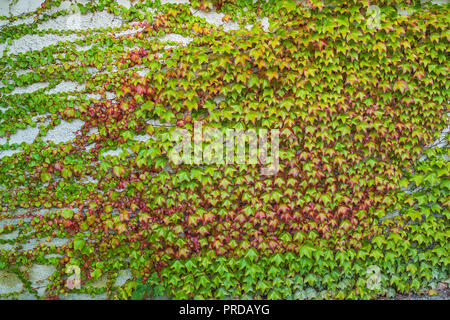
24	6
177	38
41	272
65	131
83	296
122	277
10	236
100	282
9	282
39	275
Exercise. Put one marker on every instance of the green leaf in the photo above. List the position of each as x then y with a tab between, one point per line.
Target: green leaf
418	179
96	273
404	183
67	213
66	173
78	244
306	250
251	254
45	177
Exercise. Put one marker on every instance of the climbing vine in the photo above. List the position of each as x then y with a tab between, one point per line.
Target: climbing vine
358	208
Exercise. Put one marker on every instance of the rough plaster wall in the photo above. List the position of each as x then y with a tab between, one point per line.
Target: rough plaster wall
25	6
80	22
69	128
65	131
90	20
4	8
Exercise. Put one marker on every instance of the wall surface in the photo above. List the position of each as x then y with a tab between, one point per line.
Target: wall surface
66	131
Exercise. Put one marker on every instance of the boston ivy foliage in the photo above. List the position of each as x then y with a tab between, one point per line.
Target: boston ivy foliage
359	208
